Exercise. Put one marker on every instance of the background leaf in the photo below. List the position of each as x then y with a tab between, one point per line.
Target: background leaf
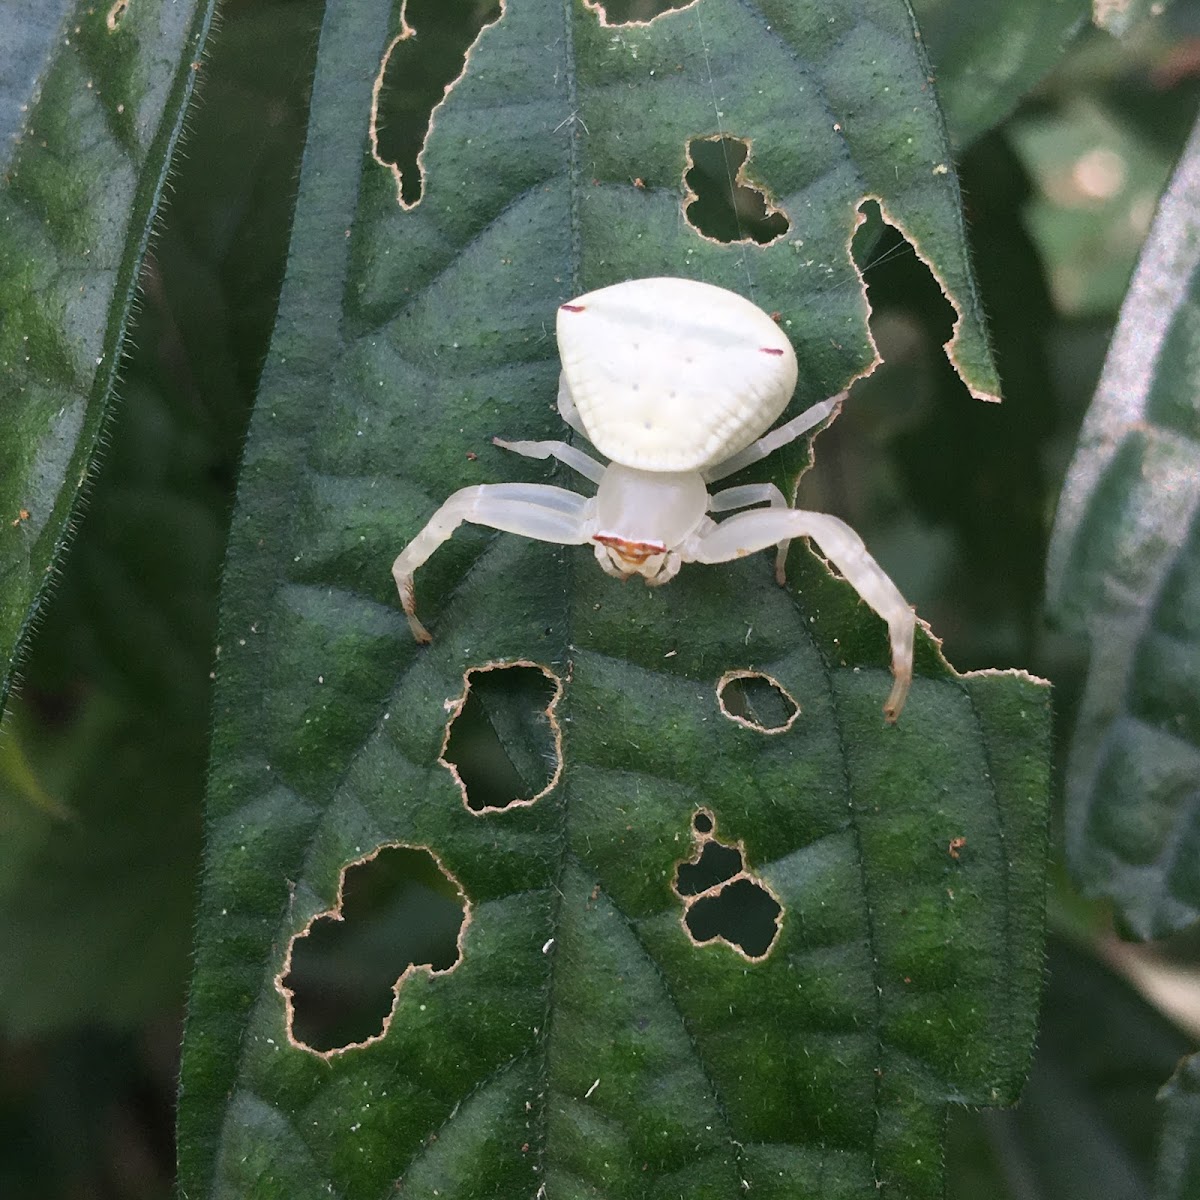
1123	566
103	752
583	1039
106	747
1087	1125
1179	1158
93	100
988	56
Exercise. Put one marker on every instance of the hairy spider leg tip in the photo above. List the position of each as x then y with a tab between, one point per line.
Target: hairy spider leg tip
408	601
894	705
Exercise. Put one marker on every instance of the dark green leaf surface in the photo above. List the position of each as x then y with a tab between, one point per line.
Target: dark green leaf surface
1088	1122
1125	567
987	56
1179	1154
91	116
584	1043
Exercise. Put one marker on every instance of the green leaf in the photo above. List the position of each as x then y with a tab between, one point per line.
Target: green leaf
93	105
1123	566
1087	1123
583	1041
103	755
987	56
101	814
1178	1176
80	946
1098	177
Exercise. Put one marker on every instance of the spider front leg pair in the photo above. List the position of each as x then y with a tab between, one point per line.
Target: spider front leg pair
650	522
628	505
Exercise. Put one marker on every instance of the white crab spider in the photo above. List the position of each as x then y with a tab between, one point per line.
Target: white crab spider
674	381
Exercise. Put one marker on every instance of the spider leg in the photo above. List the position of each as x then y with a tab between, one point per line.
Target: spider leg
755	493
770	442
533	510
748	532
566	406
585	464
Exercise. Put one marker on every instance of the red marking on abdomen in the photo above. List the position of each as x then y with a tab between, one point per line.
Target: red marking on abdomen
632	552
572	307
770	350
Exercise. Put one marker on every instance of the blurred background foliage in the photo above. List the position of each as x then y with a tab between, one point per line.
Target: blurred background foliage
102	757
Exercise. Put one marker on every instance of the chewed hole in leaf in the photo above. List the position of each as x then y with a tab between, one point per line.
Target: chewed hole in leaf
398	911
634	12
757	701
717	864
895	275
420	66
724	204
901	279
916	437
722	900
114	15
503	744
743	913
